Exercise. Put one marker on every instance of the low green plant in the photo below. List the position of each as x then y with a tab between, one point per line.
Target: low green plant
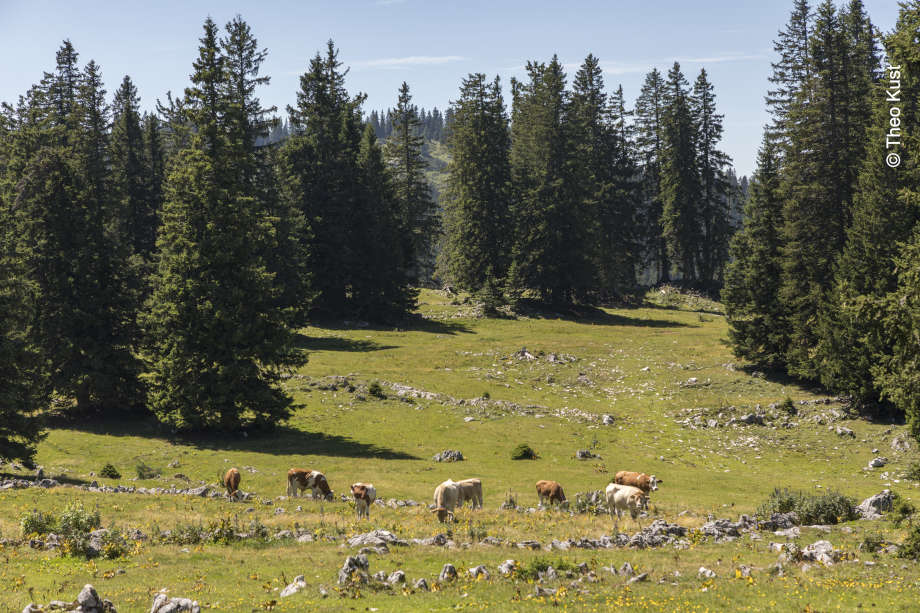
37	522
902	510
910	548
827	508
523	452
913	471
788	406
531	570
146	472
75	520
375	390
109	472
872	542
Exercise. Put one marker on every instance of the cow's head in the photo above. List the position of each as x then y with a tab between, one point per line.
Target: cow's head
653	483
443	514
359	491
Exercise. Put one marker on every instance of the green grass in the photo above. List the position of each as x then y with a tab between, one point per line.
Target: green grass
636	364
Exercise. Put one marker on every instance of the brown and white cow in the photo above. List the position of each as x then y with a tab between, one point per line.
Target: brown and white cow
446	496
232	483
646	483
470	489
300	479
550	490
365	494
621	498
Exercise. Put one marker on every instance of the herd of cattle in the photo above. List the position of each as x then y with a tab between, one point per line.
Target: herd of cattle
629	491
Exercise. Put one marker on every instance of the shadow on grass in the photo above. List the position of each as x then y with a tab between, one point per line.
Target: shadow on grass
413	323
283	440
31	477
338	343
591	315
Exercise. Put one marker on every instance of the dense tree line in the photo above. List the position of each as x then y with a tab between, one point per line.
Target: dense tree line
163	262
570	196
823	278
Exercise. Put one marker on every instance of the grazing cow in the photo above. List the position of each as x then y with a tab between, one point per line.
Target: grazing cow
365	495
550	490
646	483
446	496
470	489
232	483
300	480
623	498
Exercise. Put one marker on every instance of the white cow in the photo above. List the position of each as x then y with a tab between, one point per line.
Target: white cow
470	489
446	496
623	498
365	494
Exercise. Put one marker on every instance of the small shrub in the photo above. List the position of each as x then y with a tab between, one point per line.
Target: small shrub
36	522
523	452
872	543
185	534
913	472
114	546
788	406
476	532
146	472
826	508
486	395
902	510
222	532
910	548
531	570
76	520
109	472
375	390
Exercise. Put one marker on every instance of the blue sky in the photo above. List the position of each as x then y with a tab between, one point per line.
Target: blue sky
430	44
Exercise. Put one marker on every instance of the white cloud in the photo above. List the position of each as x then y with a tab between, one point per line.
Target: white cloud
718	59
412	60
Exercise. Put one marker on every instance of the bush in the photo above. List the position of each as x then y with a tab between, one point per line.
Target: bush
523	452
788	406
146	472
375	390
902	510
77	520
872	543
913	472
36	522
827	508
531	570
109	472
114	545
910	548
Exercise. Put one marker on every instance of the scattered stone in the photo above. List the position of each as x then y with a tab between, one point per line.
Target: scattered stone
421	584
841	431
705	573
877	462
448	573
627	570
821	551
448	455
355	568
507	567
638	578
479	571
283	534
745	571
607	419
173	464
162	603
585	454
780	521
396	577
292	588
543	591
900	443
873	506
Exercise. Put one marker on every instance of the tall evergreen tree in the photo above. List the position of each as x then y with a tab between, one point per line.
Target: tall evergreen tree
477	221
419	222
790	72
715	189
217	339
679	180
551	253
649	113
752	278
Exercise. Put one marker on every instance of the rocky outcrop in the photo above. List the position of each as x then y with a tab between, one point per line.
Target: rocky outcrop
873	506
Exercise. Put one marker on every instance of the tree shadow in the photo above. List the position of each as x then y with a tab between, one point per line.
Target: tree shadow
591	315
285	440
282	440
338	343
412	323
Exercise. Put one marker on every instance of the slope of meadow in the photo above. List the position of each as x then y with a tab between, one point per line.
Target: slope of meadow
455	381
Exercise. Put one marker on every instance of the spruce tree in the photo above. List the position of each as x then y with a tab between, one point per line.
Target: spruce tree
649	113
752	278
477	221
715	190
551	253
418	218
679	180
217	340
885	214
790	72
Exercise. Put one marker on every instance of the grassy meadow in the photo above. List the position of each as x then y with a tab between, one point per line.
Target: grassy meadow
648	367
